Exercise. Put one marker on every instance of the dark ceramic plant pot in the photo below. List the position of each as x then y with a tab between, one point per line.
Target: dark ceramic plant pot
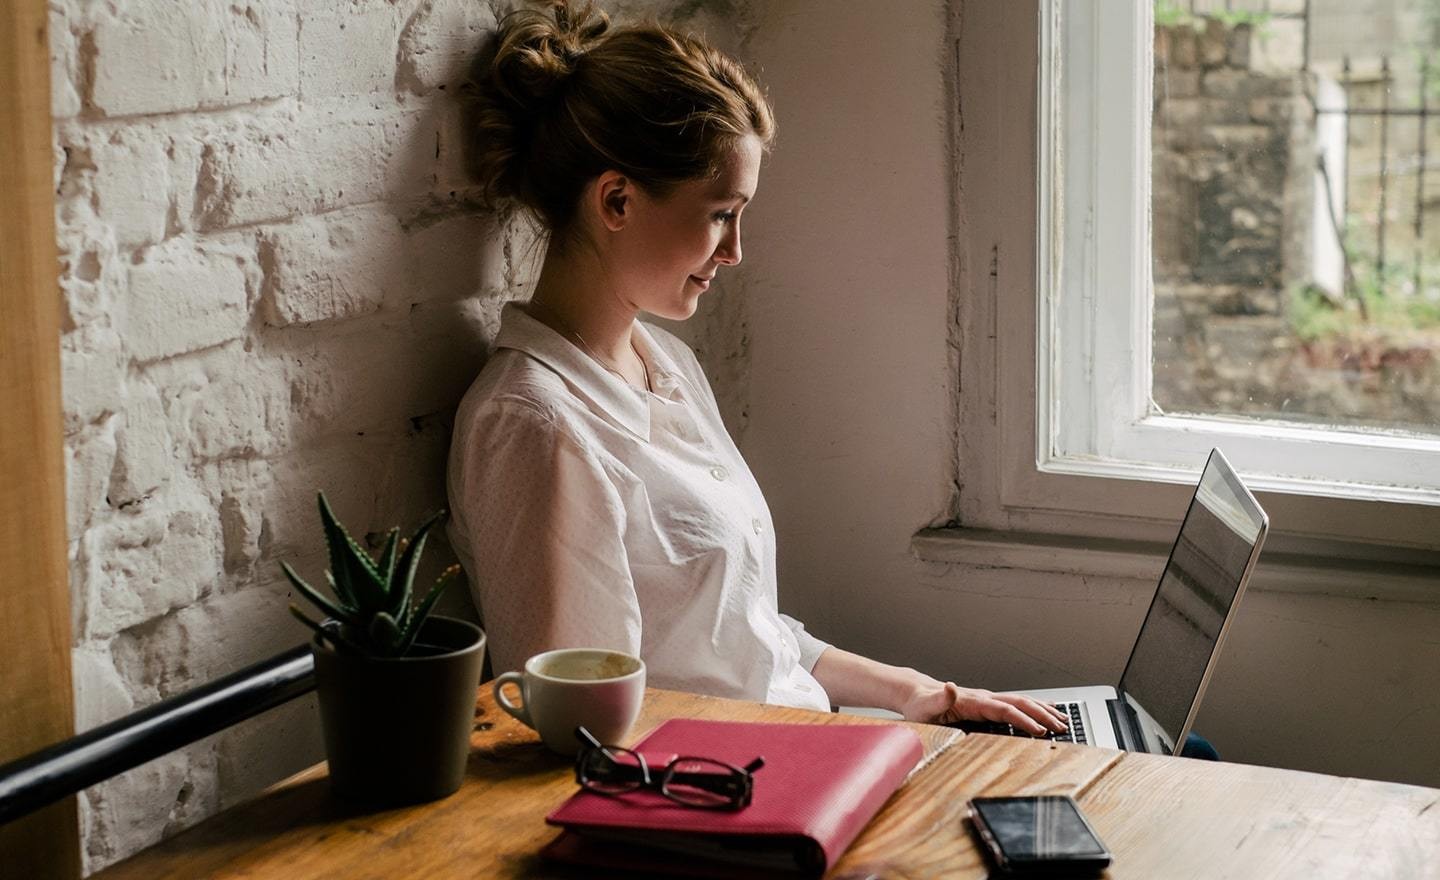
398	730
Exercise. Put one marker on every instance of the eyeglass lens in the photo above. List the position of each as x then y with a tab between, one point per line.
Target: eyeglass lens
612	770
703	783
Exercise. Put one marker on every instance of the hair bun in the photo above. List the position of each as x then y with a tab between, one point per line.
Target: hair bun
584	26
536	51
540	49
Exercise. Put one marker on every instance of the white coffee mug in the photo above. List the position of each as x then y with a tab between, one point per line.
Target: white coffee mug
560	689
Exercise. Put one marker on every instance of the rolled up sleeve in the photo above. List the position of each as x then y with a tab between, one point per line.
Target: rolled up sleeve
810	647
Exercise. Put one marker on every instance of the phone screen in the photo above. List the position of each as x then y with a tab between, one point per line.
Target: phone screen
1037	829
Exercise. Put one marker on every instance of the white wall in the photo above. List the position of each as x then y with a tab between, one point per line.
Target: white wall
847	292
847	297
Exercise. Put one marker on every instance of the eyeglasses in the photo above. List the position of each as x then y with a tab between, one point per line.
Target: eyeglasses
704	783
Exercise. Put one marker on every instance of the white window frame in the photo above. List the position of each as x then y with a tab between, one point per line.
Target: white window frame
1096	416
1126	477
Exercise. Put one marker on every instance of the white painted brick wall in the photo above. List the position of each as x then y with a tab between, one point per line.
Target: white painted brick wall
438	43
338	265
183	296
345	50
233	405
168	57
131	184
144	447
64	55
275	281
145	565
451	256
294	163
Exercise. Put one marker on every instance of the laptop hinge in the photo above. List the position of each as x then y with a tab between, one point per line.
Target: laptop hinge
1126	724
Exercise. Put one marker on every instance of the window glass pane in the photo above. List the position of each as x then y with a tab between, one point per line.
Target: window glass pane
1296	210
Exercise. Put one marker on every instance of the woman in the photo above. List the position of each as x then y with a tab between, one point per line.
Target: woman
597	498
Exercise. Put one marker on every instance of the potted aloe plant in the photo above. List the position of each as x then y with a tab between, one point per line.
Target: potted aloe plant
396	685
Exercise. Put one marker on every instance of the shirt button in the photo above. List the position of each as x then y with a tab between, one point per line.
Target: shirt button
719	472
757	525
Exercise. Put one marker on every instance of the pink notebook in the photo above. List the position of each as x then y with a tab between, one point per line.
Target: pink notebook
820	785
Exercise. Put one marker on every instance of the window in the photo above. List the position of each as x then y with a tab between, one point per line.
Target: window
1102	394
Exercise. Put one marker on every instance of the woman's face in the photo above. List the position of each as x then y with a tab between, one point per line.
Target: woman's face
671	248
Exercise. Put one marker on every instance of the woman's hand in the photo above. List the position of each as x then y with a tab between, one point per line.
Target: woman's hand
946	702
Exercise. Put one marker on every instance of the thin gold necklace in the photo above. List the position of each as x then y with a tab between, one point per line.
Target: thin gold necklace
566	328
644	370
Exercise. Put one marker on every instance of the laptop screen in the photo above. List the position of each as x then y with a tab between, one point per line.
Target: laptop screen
1182	628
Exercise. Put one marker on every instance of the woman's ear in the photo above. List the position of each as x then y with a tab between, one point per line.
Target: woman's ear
613	197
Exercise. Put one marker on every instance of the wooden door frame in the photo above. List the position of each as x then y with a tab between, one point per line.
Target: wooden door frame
36	701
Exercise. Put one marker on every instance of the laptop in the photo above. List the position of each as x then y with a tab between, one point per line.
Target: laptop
1159	693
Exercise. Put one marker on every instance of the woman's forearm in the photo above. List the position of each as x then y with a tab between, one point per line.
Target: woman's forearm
853	680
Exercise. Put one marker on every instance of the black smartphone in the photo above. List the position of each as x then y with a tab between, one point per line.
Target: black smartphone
1034	836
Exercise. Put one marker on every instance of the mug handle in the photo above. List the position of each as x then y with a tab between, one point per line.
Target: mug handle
521	712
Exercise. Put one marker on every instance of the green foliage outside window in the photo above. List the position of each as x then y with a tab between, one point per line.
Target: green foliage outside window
1171	14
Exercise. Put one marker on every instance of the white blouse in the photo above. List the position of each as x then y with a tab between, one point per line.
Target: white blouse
590	513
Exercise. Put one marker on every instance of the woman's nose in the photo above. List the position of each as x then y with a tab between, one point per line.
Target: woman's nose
729	250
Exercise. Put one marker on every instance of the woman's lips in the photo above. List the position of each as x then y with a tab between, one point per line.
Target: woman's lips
702	283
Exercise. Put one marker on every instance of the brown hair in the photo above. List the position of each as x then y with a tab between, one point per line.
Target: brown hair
566	98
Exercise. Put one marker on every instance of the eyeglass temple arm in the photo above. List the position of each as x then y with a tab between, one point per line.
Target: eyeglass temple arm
755	765
586	737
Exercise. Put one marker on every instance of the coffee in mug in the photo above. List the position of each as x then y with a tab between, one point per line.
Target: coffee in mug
560	689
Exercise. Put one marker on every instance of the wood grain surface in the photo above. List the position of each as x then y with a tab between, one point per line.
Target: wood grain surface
1174	817
36	709
1163	817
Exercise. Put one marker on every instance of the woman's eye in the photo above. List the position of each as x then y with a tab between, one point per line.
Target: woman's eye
725	216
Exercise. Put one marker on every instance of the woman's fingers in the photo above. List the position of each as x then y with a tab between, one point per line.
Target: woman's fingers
1049	709
1013	716
1039	716
1033	716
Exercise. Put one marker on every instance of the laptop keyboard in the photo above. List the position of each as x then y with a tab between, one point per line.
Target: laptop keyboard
1076	733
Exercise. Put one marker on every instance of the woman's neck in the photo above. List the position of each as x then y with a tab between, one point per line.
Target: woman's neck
577	299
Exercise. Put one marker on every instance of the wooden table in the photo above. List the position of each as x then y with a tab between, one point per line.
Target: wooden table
1162	817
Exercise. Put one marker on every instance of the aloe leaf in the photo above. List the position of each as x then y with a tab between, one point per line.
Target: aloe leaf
388	554
408	563
339	641
314	595
384	633
353	568
412	626
361	557
399	596
346	600
335	541
305	619
371	589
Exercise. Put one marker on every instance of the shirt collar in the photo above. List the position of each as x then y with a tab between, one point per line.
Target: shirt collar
606	394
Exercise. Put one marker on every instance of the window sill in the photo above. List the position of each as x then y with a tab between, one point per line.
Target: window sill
1280	570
